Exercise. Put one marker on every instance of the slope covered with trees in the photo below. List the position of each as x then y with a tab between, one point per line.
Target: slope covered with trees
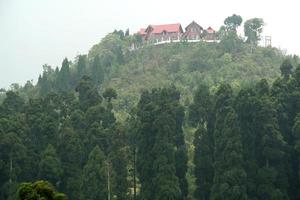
112	64
201	121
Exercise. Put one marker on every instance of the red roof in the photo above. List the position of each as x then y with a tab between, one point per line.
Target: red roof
165	27
210	30
142	31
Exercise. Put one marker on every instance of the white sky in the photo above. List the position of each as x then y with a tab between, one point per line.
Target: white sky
35	32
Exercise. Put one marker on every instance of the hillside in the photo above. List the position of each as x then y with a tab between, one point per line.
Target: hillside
110	63
231	100
188	64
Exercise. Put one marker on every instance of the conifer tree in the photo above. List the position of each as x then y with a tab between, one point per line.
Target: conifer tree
97	71
165	182
203	160
201	111
94	177
64	78
296	134
272	179
159	140
88	94
81	66
50	168
286	69
118	156
71	156
230	177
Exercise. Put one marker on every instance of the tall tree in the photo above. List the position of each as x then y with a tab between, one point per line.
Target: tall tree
97	71
94	178
71	155
12	157
64	78
50	168
160	145
286	69
252	29
272	182
233	22
88	94
81	65
118	157
296	133
230	176
200	113
203	160
222	185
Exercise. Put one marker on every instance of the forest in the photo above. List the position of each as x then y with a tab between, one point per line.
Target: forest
201	121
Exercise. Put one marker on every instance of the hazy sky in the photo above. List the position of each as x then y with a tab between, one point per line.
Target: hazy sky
35	32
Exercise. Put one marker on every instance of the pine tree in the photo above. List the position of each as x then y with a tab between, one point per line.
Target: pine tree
201	115
71	156
94	177
286	69
50	168
203	160
166	184
12	157
272	180
64	77
97	71
88	94
81	66
296	134
161	155
119	160
230	177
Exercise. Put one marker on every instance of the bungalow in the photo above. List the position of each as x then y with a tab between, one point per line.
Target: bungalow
193	32
162	33
210	34
159	34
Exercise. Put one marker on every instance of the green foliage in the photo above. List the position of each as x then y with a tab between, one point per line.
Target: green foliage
203	160
161	168
93	184
230	176
246	143
88	94
233	22
110	94
286	69
39	190
50	166
253	28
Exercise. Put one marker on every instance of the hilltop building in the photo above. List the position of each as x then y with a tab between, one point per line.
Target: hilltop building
193	32
162	33
210	34
166	33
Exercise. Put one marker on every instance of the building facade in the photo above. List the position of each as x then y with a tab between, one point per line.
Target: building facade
193	32
210	34
166	33
162	33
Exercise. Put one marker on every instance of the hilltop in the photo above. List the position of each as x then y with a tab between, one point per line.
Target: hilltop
112	63
157	121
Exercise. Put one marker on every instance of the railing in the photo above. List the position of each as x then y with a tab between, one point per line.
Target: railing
132	48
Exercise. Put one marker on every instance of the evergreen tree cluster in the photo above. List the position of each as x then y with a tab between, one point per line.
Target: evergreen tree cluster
71	140
162	153
246	144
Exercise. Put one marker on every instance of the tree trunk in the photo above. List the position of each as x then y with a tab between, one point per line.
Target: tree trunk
134	173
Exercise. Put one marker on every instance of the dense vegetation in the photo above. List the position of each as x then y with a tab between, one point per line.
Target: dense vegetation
179	121
111	64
